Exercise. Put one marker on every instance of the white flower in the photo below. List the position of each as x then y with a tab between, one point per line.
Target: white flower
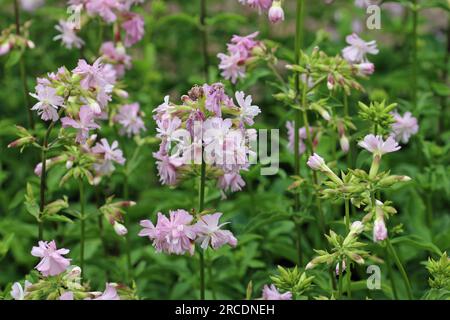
68	35
247	111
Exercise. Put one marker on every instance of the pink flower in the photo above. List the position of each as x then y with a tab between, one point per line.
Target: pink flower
208	232
68	35
247	110
52	261
167	127
365	68
173	235
243	45
83	125
315	162
17	292
31	5
110	293
167	167
134	29
129	117
103	8
377	146
380	232
231	181
404	127
272	293
68	295
276	13
258	4
94	75
110	154
215	97
117	56
239	51
48	103
231	66
358	49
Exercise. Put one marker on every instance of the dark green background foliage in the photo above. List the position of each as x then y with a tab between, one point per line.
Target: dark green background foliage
168	61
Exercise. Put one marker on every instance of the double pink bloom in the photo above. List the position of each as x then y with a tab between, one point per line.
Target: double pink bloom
176	234
52	261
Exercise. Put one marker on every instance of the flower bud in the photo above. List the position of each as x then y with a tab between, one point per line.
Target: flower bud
21	142
344	142
357	227
330	82
380	232
120	229
357	258
69	164
316	162
343	267
276	13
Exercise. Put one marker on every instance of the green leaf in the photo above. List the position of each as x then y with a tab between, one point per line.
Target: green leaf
13	58
417	242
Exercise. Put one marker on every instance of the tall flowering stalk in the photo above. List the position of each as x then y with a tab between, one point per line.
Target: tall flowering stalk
202	178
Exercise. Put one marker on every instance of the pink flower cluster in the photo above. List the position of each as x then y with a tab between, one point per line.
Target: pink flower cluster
110	11
207	127
240	52
83	96
356	54
177	233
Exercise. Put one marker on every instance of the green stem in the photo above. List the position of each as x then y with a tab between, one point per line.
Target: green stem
415	18
82	221
349	279
400	268
298	44
391	274
43	178
340	279
347	214
130	276
201	205
210	276
23	70
204	35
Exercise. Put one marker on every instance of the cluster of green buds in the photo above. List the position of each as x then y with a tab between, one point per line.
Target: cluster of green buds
355	184
51	288
10	39
342	248
79	163
292	280
114	214
378	113
440	272
319	68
